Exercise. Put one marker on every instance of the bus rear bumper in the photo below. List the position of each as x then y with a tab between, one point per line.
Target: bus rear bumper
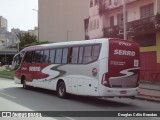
119	92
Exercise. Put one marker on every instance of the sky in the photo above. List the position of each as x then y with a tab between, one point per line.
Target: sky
20	13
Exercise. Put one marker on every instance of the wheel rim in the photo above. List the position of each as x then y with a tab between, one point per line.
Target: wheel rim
24	84
61	90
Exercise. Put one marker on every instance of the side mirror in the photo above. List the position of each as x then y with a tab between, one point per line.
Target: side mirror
15	65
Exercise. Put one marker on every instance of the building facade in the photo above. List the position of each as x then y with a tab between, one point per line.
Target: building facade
8	43
142	25
62	20
7	47
3	23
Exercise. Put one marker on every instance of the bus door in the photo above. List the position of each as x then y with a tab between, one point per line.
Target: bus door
38	64
26	66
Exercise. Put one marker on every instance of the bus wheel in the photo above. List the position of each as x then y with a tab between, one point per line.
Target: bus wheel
61	90
24	84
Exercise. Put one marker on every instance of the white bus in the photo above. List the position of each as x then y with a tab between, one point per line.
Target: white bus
106	67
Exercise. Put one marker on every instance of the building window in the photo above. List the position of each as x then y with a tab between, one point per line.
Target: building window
94	24
110	2
120	18
95	2
146	10
91	3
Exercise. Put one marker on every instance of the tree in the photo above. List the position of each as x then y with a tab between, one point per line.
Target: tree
26	39
40	42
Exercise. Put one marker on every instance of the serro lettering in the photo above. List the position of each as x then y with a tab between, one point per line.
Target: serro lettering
34	69
124	52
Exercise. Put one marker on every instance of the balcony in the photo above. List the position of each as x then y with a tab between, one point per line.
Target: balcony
135	28
104	6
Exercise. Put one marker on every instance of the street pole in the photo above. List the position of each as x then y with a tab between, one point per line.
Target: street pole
124	20
5	57
37	22
156	6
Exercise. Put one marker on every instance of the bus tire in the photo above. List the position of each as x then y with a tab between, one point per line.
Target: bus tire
61	90
24	84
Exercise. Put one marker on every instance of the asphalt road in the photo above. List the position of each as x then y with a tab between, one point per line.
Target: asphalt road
14	98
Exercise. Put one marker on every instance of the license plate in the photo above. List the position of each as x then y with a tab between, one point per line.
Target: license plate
123	92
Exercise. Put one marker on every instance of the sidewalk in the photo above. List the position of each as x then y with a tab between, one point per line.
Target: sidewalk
149	91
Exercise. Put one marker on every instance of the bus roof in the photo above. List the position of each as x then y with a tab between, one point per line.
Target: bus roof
59	44
66	44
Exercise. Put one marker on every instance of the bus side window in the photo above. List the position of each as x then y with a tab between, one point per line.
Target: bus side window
37	57
46	56
74	55
41	57
52	56
58	58
95	52
28	57
65	55
80	58
87	58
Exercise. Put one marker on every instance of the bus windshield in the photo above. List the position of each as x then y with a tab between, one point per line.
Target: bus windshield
17	59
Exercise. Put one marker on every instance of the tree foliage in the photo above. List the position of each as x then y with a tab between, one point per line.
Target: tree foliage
26	39
40	42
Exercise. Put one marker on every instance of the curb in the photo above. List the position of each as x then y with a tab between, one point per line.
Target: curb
6	77
149	98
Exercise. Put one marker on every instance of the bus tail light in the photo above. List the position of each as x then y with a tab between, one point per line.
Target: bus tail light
105	79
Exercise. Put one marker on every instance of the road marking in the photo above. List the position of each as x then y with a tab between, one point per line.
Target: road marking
7	95
69	118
